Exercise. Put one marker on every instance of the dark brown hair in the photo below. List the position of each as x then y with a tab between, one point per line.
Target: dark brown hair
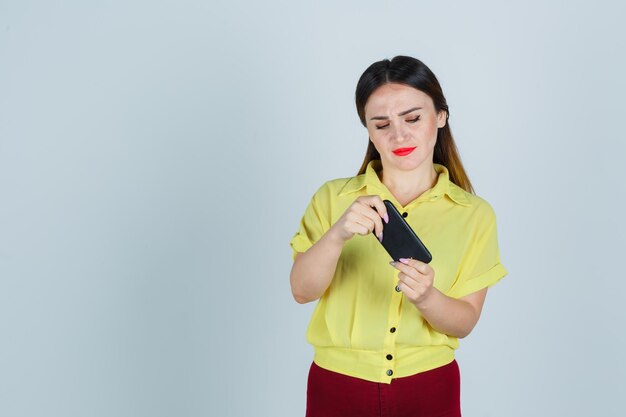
414	73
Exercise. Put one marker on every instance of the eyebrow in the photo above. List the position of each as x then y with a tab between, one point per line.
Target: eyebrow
399	114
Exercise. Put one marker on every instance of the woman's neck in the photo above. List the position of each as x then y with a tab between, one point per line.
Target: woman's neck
406	186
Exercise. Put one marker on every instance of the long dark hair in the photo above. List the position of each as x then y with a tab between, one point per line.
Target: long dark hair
414	73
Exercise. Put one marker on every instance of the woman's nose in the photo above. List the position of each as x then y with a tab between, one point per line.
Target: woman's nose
398	132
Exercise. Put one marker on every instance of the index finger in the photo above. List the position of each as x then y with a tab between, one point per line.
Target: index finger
418	265
366	208
377	204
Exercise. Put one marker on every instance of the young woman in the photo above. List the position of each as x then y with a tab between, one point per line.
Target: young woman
385	333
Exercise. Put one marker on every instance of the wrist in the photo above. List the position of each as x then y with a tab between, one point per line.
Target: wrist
333	236
426	303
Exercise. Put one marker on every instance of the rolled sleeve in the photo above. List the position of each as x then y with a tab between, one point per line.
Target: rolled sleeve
481	267
314	223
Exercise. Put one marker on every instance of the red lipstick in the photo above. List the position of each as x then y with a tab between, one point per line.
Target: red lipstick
403	151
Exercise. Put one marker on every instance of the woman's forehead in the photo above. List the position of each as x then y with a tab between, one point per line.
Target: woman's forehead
390	97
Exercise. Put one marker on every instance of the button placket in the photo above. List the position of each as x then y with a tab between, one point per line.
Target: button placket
387	362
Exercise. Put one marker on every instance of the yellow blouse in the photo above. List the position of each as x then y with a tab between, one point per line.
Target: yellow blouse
362	326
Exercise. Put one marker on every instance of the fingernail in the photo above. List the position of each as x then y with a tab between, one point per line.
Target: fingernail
386	218
392	263
404	261
380	237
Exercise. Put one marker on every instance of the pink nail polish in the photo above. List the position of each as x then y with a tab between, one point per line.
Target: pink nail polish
386	218
404	261
380	237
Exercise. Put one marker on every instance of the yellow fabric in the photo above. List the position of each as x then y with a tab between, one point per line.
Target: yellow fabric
351	327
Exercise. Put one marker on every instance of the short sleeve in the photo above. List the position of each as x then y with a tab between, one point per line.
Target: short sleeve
481	265
314	223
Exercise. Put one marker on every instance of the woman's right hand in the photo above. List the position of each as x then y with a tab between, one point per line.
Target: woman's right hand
313	270
363	216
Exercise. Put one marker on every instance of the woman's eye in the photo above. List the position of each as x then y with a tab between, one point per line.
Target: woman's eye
382	126
415	119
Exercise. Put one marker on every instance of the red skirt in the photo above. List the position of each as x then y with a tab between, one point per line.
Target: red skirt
434	393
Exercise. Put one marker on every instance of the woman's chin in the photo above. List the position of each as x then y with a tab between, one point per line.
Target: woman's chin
405	163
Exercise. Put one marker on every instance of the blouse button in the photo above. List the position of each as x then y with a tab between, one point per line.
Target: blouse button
405	214
398	288
389	357
392	330
389	372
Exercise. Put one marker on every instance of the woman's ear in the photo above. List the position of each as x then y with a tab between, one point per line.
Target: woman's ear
442	118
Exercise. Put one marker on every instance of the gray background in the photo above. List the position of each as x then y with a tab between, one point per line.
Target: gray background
156	157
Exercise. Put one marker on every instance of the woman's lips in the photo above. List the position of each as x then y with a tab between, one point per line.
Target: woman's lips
403	151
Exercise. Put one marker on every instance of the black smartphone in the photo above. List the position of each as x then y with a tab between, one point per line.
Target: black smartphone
400	240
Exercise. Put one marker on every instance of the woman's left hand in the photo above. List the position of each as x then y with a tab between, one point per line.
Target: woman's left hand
416	280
